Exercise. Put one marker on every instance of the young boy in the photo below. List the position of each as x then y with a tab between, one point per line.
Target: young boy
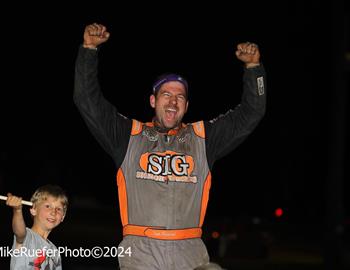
33	248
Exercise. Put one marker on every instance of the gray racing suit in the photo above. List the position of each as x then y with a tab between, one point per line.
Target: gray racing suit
164	177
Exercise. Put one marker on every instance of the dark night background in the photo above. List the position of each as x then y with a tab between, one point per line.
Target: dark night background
297	158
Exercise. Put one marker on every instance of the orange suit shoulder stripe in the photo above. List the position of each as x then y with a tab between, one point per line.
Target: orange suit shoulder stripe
136	127
198	128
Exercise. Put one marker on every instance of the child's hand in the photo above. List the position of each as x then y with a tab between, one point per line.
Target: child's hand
14	202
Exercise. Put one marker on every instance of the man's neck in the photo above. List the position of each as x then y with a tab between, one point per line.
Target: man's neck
162	129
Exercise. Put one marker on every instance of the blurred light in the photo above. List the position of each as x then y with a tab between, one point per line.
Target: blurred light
347	56
256	220
215	234
278	212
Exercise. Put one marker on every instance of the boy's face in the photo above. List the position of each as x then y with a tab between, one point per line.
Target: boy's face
48	213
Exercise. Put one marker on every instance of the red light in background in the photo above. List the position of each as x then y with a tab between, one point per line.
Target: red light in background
278	212
215	235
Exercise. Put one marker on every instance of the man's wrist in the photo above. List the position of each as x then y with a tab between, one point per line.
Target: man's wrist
89	46
251	65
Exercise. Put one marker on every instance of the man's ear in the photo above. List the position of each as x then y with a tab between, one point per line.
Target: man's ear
152	101
186	106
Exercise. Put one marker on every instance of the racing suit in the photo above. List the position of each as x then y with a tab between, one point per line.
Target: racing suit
164	177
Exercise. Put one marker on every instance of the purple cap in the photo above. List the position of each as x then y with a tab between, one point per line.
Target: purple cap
169	78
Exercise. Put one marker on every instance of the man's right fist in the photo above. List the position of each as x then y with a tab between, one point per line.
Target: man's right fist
94	35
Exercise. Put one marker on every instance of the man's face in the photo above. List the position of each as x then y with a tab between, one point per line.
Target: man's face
170	104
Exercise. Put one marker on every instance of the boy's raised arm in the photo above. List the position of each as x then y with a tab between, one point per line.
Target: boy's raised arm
18	224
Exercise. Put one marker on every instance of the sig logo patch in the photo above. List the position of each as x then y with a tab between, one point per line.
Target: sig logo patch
166	166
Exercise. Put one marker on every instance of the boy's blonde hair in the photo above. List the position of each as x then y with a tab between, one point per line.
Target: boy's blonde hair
55	191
